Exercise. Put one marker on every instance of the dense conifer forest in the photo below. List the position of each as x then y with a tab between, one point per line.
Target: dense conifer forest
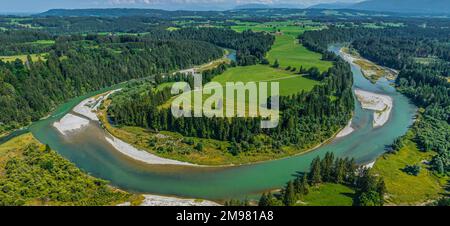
77	64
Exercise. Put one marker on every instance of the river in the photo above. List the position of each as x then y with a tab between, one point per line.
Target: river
89	150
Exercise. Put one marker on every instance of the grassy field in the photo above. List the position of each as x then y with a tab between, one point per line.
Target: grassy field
289	53
329	195
43	42
404	189
34	57
287	27
286	47
172	28
290	83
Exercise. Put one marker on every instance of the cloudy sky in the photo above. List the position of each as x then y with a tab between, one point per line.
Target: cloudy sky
43	5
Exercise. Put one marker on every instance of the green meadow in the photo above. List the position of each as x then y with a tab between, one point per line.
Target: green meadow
43	42
405	189
290	83
286	47
290	53
34	57
328	195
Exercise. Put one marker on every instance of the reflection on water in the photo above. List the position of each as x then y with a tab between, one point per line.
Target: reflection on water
89	150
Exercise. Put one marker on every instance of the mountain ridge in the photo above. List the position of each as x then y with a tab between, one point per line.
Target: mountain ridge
396	6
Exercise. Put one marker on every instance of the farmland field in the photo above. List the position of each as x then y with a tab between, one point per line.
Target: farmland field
286	47
34	57
289	53
290	83
329	195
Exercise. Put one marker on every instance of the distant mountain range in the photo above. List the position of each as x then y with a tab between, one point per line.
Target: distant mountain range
270	6
398	6
429	7
405	6
336	5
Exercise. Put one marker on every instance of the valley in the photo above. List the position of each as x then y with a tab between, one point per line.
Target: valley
87	104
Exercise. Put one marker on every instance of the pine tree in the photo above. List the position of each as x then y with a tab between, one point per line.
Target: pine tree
263	201
47	148
327	167
315	173
289	195
339	171
305	187
276	64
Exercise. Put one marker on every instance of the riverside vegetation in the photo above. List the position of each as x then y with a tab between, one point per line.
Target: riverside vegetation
33	174
425	84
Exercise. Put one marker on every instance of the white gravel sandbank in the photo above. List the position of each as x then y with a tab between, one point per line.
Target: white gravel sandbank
346	131
70	123
156	200
140	155
381	104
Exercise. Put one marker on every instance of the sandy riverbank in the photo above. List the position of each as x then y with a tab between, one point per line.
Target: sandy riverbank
369	69
156	200
70	123
140	155
369	165
381	104
346	131
88	107
85	108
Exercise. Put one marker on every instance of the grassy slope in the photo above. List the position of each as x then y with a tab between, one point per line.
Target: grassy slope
404	189
15	148
329	195
289	53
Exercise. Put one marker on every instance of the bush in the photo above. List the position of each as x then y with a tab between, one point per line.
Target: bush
412	170
199	147
188	141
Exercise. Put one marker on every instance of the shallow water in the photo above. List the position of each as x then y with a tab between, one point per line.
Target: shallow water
90	151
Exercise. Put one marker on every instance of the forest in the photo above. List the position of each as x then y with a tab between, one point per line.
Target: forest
77	64
422	56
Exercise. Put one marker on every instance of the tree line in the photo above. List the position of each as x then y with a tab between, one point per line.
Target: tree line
370	190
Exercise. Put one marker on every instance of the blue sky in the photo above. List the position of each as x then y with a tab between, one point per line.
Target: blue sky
43	5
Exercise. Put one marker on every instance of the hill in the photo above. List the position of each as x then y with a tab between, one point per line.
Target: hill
336	5
405	6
